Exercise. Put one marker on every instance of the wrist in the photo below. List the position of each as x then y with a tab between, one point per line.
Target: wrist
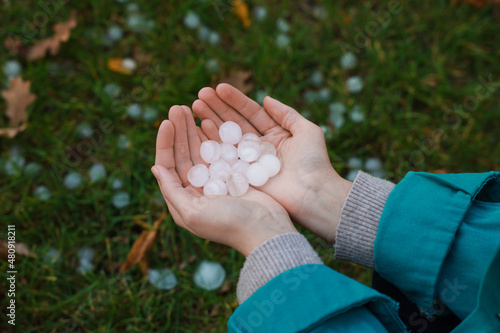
324	208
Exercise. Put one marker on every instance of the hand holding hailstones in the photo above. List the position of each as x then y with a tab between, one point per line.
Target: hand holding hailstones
229	167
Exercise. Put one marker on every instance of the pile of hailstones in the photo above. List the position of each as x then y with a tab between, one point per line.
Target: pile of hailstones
232	169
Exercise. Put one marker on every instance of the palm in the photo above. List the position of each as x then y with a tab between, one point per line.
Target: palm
305	162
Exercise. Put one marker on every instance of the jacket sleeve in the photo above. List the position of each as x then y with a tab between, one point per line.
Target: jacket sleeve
436	237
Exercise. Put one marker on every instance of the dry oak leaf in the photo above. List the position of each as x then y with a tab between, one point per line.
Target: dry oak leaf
18	98
62	32
240	10
241	80
21	250
141	247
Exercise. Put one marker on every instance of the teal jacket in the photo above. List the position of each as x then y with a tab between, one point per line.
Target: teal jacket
438	239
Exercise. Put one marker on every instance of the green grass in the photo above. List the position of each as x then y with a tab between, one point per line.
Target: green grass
417	70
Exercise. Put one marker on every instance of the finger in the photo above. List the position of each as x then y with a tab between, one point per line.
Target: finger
194	141
247	107
165	145
225	111
202	135
181	146
284	115
203	111
211	130
173	192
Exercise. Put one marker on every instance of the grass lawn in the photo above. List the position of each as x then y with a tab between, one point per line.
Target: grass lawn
430	101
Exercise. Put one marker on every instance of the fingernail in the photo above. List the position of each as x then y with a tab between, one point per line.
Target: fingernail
155	172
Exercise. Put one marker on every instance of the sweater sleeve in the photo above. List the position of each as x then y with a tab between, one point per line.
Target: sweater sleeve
271	258
359	219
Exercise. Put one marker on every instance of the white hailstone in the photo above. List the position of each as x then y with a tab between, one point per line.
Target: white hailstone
214	38
132	7
319	12
271	163
32	170
324	94
357	114
337	119
282	25
230	132
212	65
14	165
354	84
138	23
250	136
209	275
129	64
228	152
42	193
85	254
354	163
163	279
112	89
219	169
121	199
310	96
316	78
260	95
240	167
282	41
210	151
85	130
352	175
85	267
191	20
260	13
114	33
337	108
373	163
249	150
237	184
51	256
97	172
198	175
257	174
116	184
348	60
73	180
267	148
134	111
12	68
204	33
214	186
150	114
123	142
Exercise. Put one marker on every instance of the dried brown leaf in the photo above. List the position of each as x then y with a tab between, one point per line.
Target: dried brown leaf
62	32
21	250
18	98
141	247
240	10
13	44
241	80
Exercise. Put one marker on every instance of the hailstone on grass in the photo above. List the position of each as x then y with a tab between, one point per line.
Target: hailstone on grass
212	65
209	275
354	84
348	60
134	111
316	78
112	89
150	114
42	193
97	172
12	68
282	25
114	33
357	115
232	170
32	170
73	180
282	41
163	279
121	199
191	20
260	13
85	130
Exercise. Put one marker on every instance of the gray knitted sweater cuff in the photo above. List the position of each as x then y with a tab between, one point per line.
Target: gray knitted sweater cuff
271	258
359	219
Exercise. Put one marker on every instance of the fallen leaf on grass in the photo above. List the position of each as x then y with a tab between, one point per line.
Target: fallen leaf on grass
240	10
62	32
141	247
21	250
116	65
18	98
241	80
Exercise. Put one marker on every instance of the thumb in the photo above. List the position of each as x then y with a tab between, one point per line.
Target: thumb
284	115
